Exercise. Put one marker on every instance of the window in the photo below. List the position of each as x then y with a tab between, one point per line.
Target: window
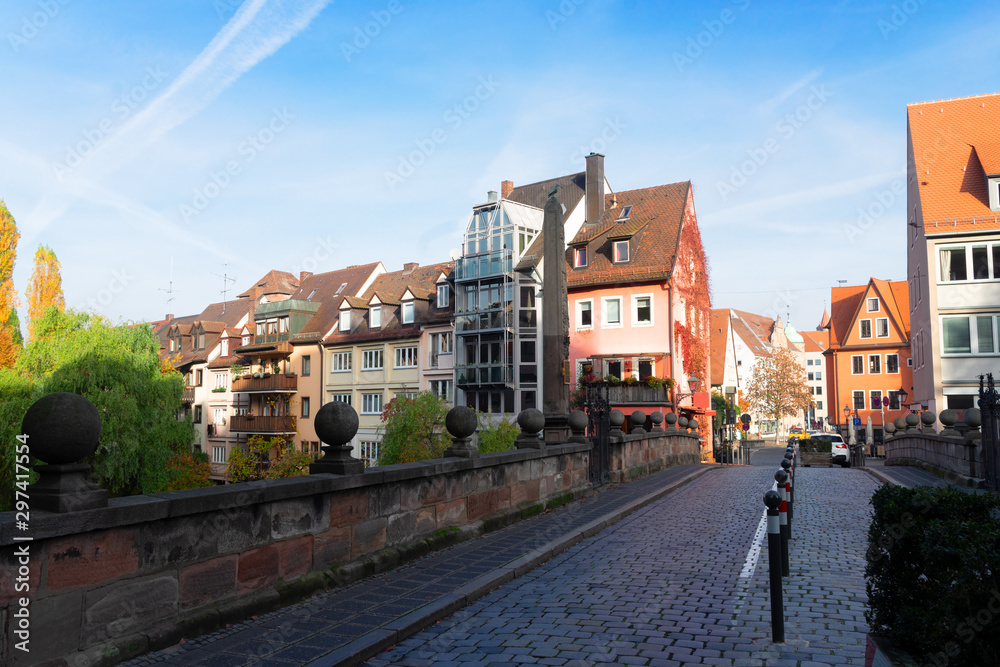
405	394
621	251
977	261
584	314
339	289
199	378
969	334
953	264
873	305
370	449
197	414
874	364
857	364
406	357
441	343
819	405
442	389
221	380
876	399
224	352
345	321
809	376
442	300
642	311
341	398
260	329
612	311
371	404
645	368
859	400
819	391
283	324
809	362
892	363
371	360
909	362
340	362
866	328
219	454
375	317
528	351
894	400
819	375
272	327
581	257
219	416
246	339
626	212
305	406
408	312
306	366
882	327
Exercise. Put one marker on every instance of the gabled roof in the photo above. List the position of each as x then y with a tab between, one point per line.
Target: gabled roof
273	282
844	304
653	229
950	140
848	303
816	341
572	189
322	288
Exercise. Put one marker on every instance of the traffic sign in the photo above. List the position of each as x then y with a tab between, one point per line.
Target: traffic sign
746	427
857	422
745	418
885	401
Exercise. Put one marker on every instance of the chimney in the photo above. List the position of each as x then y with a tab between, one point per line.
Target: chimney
409	267
491	196
595	187
303	275
169	317
506	187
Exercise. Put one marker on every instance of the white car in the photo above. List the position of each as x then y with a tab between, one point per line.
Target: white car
838	448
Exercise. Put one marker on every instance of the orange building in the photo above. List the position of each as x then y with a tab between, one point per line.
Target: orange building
869	355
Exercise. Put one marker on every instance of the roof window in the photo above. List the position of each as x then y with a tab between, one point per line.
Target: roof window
626	212
340	289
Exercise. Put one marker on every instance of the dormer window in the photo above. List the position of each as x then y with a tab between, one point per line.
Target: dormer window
407	312
621	251
442	295
225	347
345	321
993	185
375	317
580	257
246	339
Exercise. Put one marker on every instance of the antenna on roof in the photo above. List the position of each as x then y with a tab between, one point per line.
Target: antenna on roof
225	284
170	288
842	282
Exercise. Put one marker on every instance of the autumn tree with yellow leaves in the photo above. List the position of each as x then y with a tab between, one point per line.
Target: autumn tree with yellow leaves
9	337
45	290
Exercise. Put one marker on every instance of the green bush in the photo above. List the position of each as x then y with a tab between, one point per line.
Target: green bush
496	434
815	446
933	563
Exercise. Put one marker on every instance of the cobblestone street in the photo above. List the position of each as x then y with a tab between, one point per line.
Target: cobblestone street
664	586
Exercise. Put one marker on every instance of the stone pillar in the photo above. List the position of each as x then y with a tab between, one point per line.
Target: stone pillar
531	421
638	422
671	419
616	419
62	429
973	419
657	419
336	425
948	419
555	324
578	426
927	420
912	420
461	424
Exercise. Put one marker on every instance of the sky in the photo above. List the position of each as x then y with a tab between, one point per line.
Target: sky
173	152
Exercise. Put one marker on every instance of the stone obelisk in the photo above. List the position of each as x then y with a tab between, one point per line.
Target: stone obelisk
555	324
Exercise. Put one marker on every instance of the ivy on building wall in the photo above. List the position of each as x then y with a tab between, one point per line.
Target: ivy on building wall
690	279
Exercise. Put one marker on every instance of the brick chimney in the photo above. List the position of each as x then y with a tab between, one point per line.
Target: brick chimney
303	275
506	187
595	187
409	267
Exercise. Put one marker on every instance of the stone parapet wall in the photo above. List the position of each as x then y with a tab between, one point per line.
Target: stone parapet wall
953	458
109	583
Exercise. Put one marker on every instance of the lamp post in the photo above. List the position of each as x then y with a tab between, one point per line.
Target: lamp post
902	397
847	416
692	385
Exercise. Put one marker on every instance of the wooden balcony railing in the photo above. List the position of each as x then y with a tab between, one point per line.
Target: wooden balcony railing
288	383
261	424
637	394
188	396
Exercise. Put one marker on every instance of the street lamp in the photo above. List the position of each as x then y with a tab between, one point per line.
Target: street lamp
902	397
692	385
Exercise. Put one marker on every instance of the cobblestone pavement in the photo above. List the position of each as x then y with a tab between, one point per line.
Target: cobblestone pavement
663	587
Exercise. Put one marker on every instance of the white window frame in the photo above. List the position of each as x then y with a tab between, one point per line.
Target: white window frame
617	254
371	404
442	295
218	416
222	380
973	335
406	356
345	321
375	317
868	304
341	362
969	268
443	389
580	258
861	328
580	326
854	399
605	324
370	450
224	347
887	357
880	395
342	397
407	312
369	358
219	454
305	406
879	321
635	310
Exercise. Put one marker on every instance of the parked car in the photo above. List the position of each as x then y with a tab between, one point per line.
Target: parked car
795	433
838	448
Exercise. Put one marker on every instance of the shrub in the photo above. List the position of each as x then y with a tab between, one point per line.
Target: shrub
413	429
496	434
933	562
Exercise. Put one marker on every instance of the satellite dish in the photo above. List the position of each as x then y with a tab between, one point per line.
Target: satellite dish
454	254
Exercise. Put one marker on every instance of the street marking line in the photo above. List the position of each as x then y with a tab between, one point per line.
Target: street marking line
750	564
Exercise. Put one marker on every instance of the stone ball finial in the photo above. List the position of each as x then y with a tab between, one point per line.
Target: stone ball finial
682	422
890	427
62	428
670	418
461	421
949	418
617	418
900	423
927	418
912	420
336	423
693	424
657	418
973	418
578	421
531	420
638	419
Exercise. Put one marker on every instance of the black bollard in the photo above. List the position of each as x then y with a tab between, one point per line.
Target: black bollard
772	500
786	465
781	477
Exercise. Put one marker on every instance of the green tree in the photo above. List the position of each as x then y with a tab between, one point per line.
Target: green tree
118	369
18	394
496	434
413	429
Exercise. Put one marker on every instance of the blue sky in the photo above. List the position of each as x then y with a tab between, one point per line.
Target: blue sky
217	137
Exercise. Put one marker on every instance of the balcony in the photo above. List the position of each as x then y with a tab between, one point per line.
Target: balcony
188	395
262	424
485	375
638	394
483	266
272	383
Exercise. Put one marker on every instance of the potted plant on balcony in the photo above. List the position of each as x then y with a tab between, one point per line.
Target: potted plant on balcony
613	380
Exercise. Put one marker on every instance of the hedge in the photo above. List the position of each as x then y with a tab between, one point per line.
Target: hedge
932	573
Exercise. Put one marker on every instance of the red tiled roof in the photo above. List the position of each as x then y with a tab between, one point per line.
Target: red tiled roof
816	341
989	156
950	140
273	282
844	304
572	189
322	288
